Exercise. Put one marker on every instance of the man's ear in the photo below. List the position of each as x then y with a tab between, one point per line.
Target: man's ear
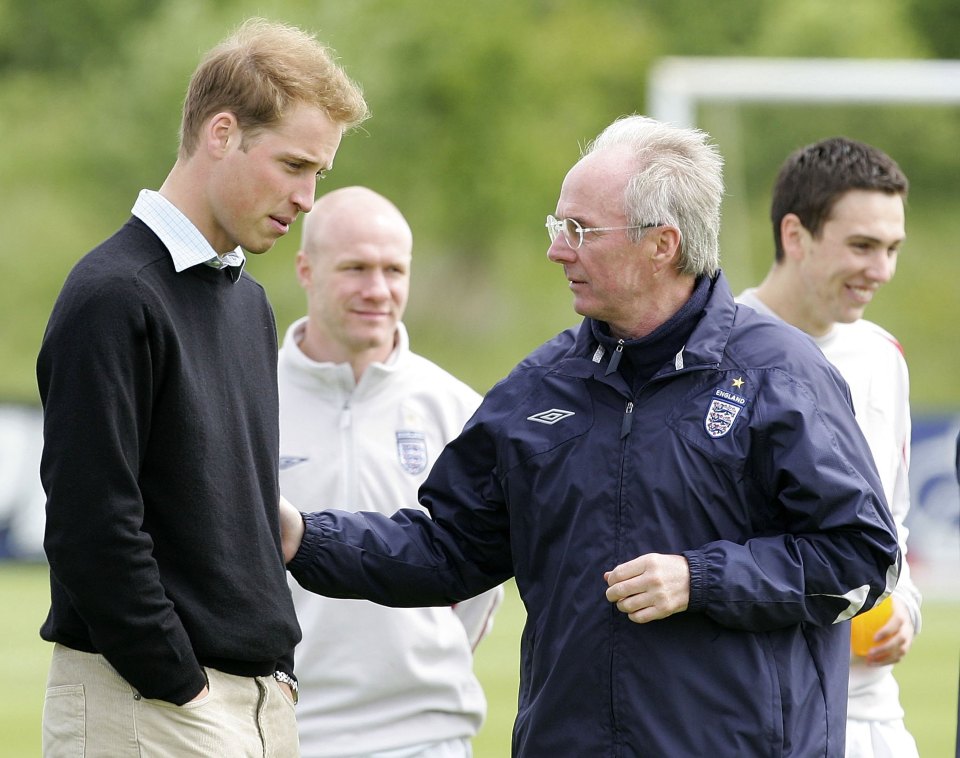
667	253
218	131
304	268
794	237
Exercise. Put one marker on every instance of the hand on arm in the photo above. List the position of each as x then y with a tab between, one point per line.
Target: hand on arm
291	529
650	587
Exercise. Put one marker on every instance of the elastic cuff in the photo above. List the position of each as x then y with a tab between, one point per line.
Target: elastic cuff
312	536
697	592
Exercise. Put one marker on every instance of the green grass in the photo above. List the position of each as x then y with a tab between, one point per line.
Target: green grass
928	676
26	596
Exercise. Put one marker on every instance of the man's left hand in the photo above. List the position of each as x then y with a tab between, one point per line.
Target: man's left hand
650	587
287	691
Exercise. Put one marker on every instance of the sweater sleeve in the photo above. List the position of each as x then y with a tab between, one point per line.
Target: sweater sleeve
97	371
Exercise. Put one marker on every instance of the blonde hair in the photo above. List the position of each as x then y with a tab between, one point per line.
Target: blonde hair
260	70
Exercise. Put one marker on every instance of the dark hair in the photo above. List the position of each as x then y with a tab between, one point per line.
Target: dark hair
813	179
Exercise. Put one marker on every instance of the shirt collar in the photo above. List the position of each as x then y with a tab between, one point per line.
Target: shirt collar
187	246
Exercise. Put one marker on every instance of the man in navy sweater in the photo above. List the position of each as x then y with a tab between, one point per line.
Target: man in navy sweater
172	623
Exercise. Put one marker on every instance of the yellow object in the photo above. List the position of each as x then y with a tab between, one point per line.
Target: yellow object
865	626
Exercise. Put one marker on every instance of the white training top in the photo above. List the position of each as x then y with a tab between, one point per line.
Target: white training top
374	678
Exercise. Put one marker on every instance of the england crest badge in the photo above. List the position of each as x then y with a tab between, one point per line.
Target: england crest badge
723	411
412	451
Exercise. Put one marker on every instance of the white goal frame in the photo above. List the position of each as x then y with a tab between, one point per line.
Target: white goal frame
677	84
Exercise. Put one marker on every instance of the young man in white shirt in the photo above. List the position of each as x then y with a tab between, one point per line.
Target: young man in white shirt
838	223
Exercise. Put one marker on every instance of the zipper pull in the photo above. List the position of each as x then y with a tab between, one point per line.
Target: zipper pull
615	359
627	420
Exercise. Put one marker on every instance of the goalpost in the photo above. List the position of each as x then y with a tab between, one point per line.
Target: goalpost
676	84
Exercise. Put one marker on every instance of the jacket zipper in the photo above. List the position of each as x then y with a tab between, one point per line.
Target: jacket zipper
627	422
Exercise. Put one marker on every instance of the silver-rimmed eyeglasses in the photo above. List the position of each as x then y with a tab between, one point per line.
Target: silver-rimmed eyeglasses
573	231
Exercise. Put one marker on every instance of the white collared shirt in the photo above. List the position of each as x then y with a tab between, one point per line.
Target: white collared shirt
187	246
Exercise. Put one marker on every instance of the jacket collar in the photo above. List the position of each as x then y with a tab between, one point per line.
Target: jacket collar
704	348
340	375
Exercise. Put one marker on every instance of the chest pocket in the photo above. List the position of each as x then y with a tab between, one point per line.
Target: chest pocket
549	419
715	417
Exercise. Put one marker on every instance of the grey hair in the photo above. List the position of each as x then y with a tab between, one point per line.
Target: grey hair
678	181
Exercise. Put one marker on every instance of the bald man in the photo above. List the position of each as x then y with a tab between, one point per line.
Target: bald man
362	419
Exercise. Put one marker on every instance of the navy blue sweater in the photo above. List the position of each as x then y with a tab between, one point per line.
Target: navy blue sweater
160	467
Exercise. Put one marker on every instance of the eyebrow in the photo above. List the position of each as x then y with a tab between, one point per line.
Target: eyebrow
306	160
873	238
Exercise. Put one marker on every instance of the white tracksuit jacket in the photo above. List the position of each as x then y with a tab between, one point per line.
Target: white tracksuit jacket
871	361
375	678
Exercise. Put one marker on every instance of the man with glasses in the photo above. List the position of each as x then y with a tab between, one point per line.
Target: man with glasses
838	224
678	486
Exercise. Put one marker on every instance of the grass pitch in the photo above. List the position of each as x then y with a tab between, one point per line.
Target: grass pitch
928	677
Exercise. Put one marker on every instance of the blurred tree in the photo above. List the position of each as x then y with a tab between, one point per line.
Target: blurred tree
827	29
478	106
722	27
479	109
938	21
62	36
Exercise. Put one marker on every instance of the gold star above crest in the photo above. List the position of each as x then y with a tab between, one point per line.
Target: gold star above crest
738	382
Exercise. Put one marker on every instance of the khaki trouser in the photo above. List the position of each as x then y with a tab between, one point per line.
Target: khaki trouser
90	711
